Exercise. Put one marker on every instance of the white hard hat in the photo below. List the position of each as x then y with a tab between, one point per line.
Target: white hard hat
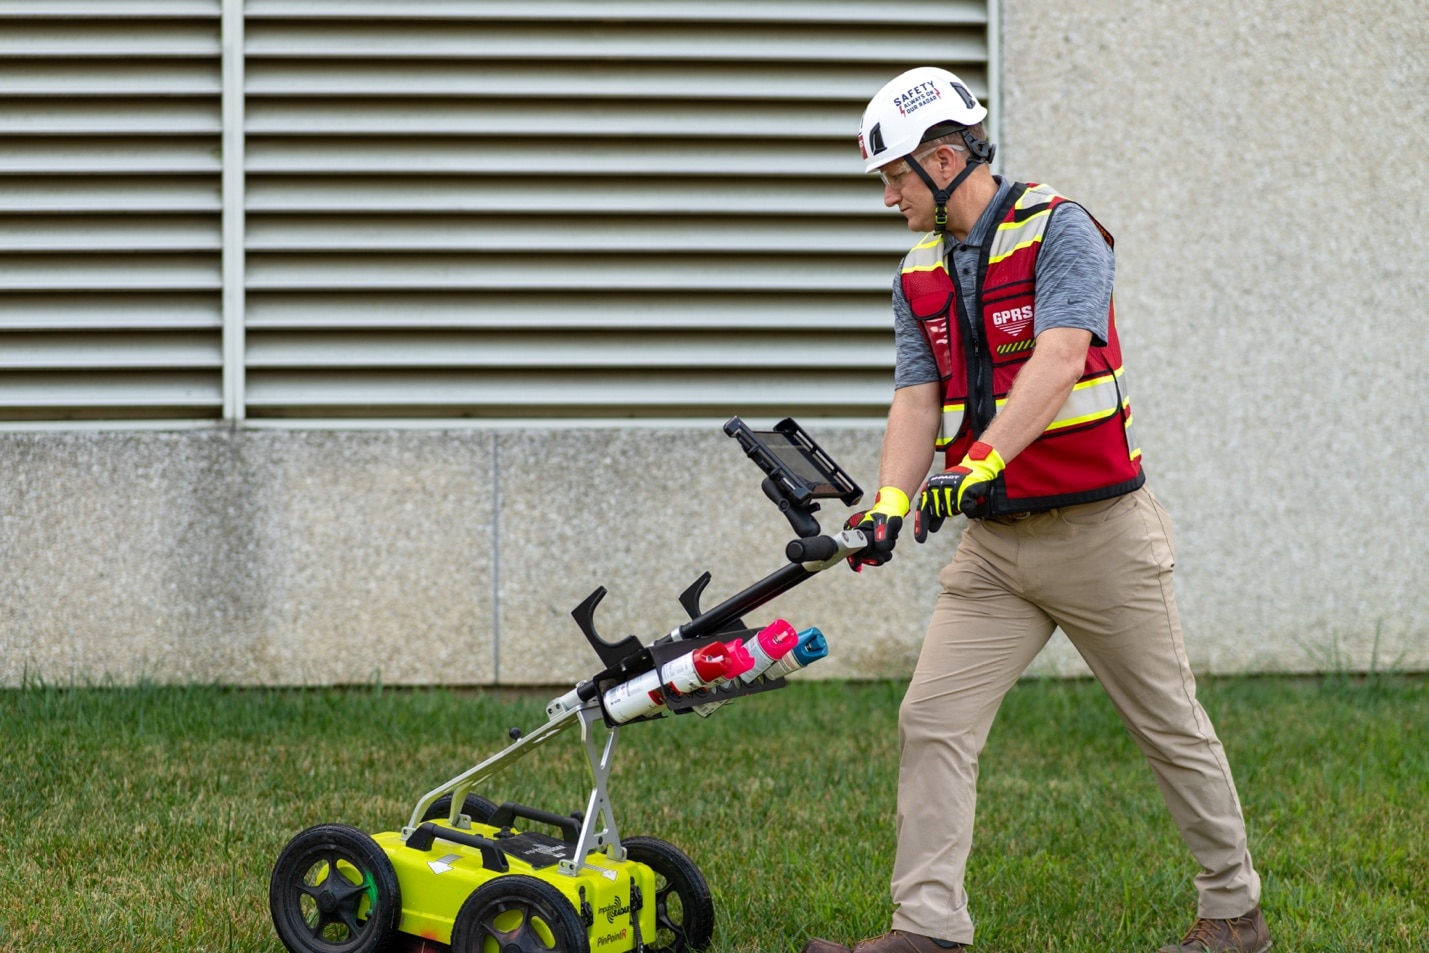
902	111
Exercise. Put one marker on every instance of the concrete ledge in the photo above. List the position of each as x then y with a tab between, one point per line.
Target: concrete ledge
264	557
317	557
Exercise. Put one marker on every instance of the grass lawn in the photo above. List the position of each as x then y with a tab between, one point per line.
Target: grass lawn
148	819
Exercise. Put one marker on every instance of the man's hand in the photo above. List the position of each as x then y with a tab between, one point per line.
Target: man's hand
881	525
965	488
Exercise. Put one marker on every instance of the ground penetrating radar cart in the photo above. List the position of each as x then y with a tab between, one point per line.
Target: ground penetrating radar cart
467	874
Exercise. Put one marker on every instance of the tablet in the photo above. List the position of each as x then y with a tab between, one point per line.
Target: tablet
790	458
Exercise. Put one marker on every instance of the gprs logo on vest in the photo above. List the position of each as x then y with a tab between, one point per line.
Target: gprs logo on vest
1013	322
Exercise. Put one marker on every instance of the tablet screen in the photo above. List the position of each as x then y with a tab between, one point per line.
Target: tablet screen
793	456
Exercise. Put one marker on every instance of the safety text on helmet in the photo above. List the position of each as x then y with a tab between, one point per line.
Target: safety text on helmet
920	95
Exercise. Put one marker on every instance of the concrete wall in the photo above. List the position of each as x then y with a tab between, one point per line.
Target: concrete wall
309	557
414	556
1260	164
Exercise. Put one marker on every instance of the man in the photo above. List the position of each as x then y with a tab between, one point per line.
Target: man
1008	361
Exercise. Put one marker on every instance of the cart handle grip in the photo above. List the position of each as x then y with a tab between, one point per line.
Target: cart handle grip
821	552
817	549
491	856
569	826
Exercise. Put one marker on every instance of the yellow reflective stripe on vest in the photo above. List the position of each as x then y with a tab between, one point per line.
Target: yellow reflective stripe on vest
952	423
1090	400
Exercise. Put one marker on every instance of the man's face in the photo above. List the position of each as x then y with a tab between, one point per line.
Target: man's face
903	188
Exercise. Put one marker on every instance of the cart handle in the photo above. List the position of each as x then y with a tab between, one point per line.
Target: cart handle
807	558
570	827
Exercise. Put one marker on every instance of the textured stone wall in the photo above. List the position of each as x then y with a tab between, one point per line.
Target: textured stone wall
306	557
309	557
260	557
1261	165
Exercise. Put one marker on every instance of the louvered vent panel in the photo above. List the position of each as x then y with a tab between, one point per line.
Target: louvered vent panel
556	209
110	131
454	207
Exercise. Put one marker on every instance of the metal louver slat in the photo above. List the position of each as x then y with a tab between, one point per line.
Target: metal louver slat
55	233
116	155
103	311
561	393
66	192
812	41
927	12
500	77
149	350
107	35
581	273
107	272
112	79
30	395
532	155
109	209
130	117
814	313
544	196
613	233
545	349
755	119
132	9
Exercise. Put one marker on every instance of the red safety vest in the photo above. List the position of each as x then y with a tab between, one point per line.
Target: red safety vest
1089	451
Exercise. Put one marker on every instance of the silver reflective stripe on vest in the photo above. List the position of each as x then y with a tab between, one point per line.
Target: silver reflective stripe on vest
1012	237
1133	446
927	255
952	422
1089	401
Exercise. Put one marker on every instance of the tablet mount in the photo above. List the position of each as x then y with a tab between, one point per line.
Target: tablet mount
797	471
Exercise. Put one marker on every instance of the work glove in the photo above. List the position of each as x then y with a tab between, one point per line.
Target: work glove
965	488
881	525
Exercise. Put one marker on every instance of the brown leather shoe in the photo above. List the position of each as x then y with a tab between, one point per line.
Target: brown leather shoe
1244	934
894	941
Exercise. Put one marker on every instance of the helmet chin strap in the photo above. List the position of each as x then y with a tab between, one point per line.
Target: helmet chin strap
941	196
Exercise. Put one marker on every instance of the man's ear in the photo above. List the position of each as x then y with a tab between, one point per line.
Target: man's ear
948	163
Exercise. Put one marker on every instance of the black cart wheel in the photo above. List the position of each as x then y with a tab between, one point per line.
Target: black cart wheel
334	891
684	908
518	914
476	807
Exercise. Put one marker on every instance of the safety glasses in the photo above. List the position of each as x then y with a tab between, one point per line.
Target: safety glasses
894	173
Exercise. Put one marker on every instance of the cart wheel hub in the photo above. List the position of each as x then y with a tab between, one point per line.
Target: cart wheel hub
327	902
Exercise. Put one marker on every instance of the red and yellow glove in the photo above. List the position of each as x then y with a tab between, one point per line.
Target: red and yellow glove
965	488
881	525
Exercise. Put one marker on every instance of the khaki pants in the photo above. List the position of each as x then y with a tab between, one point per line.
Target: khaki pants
1102	571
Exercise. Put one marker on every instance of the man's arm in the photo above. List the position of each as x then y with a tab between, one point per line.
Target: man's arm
913	421
1038	392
